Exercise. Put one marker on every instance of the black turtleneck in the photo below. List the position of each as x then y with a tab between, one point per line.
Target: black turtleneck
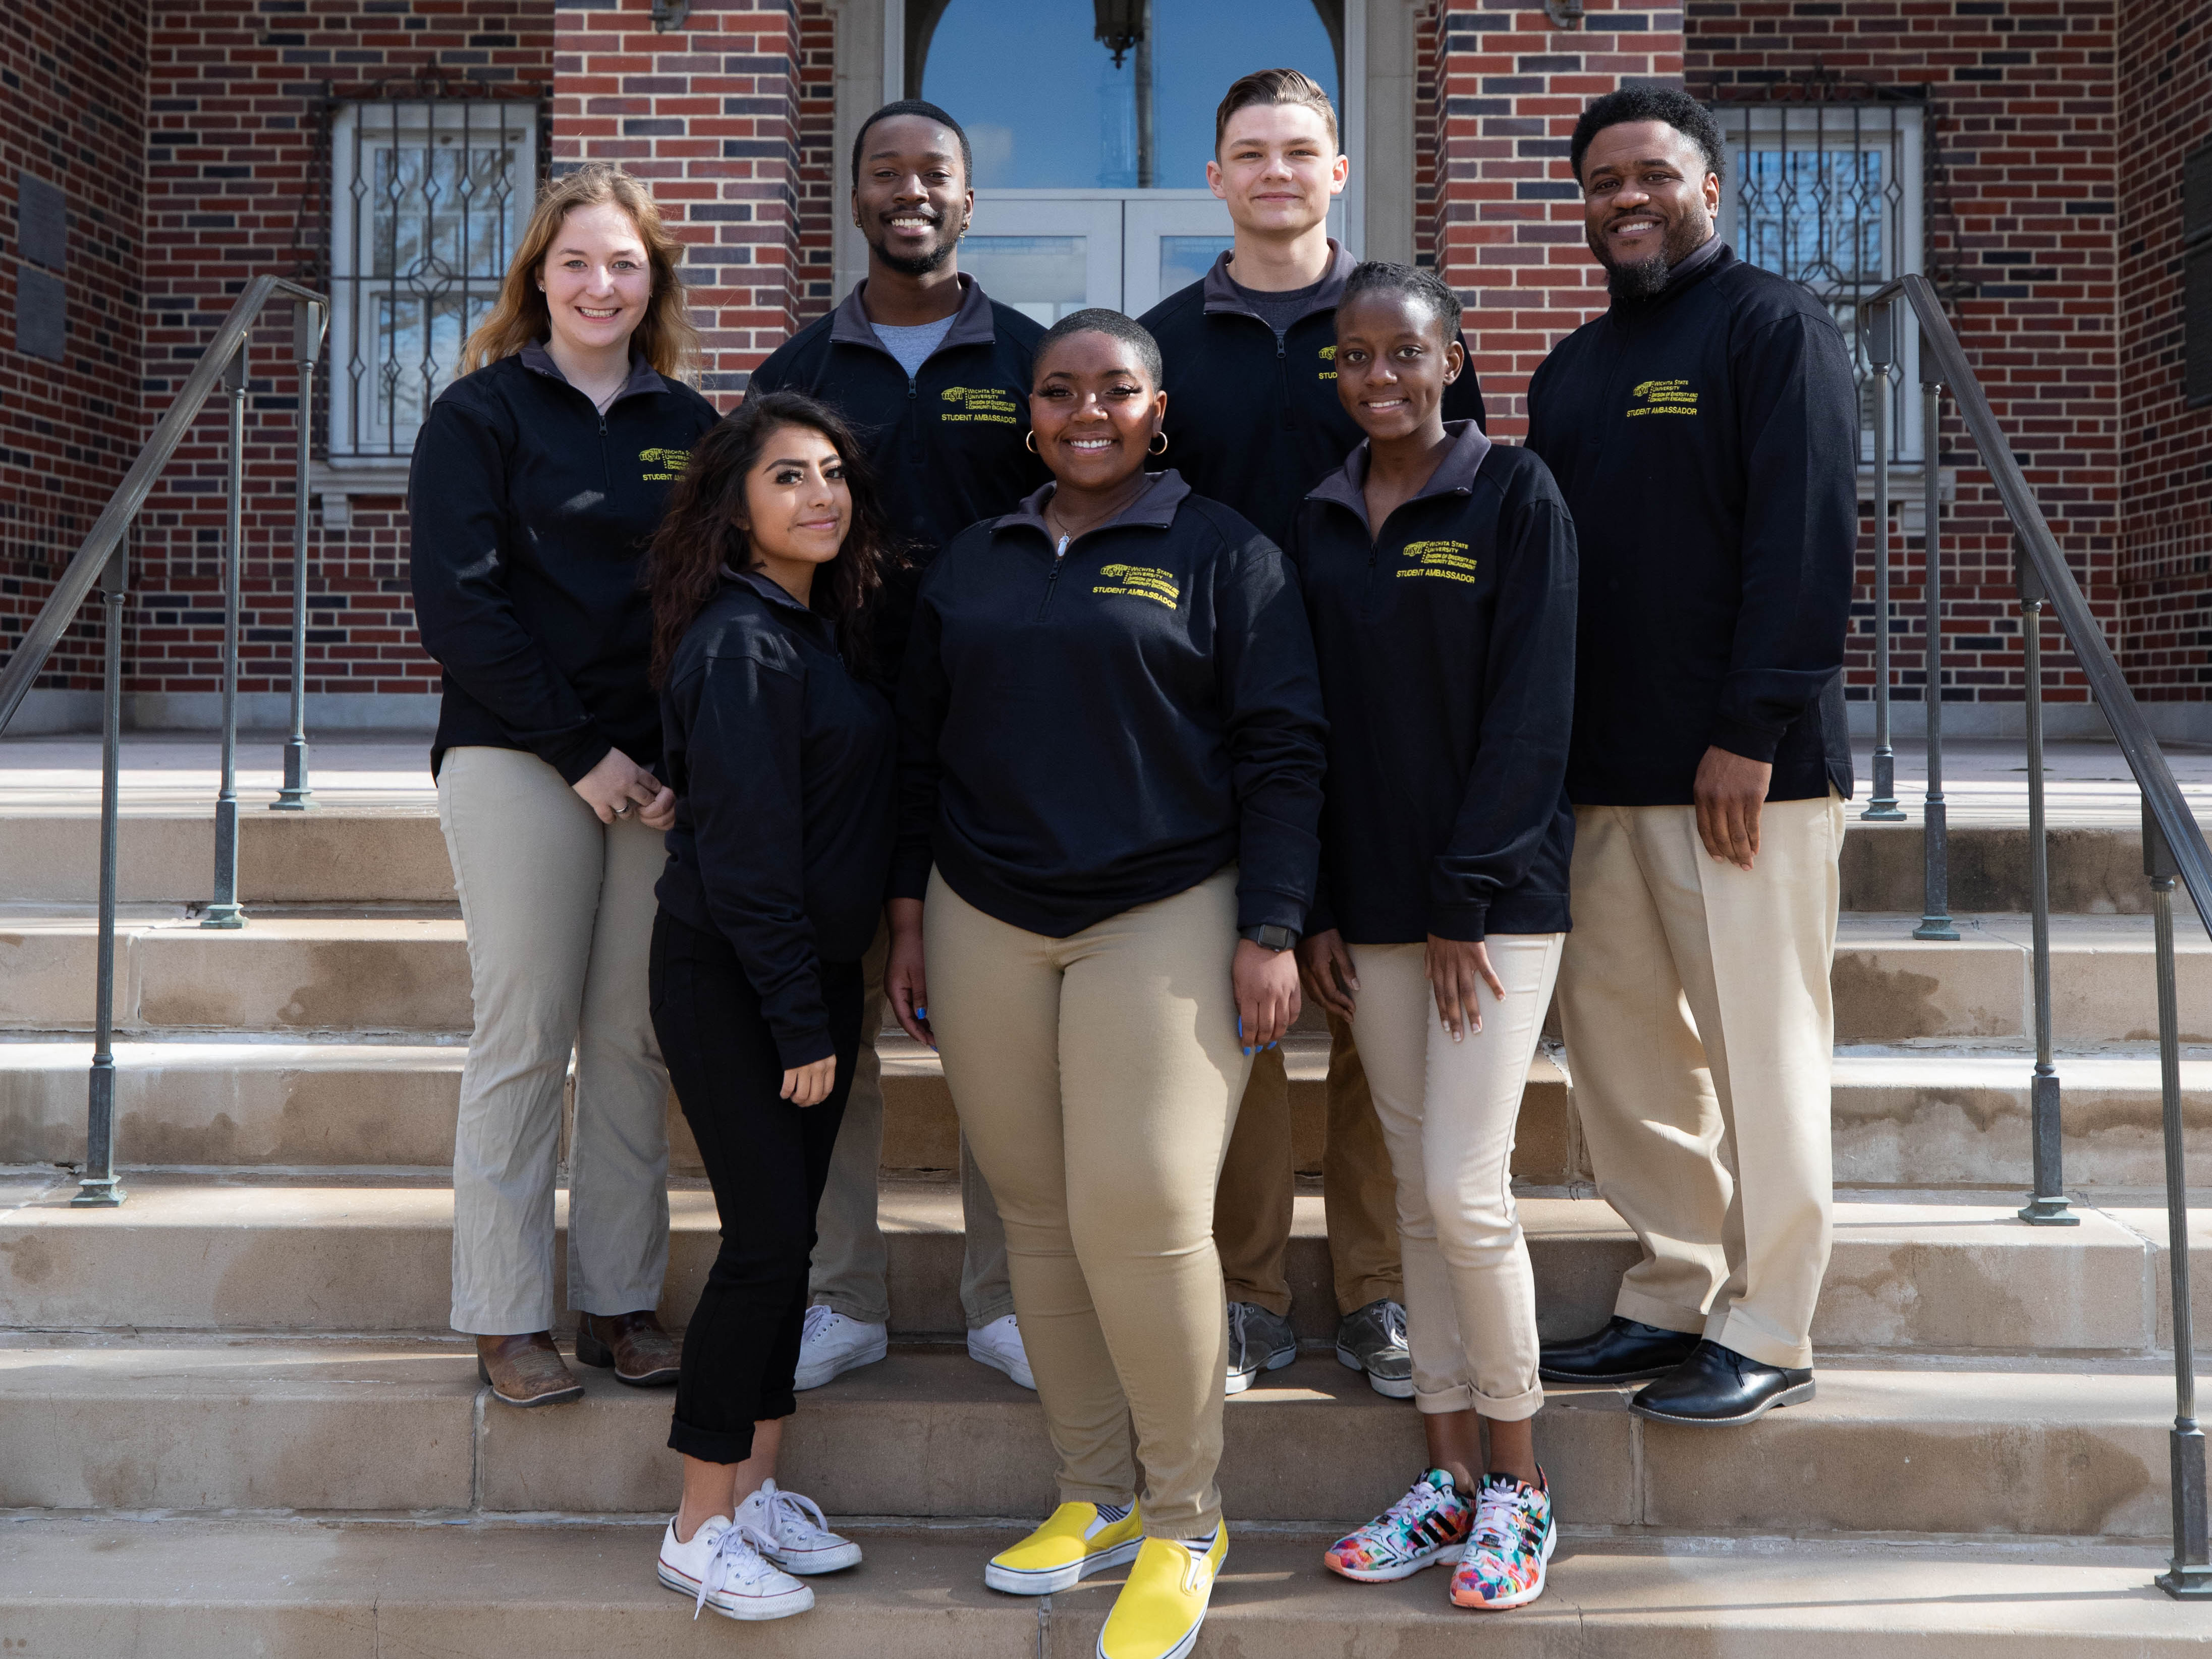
1707	440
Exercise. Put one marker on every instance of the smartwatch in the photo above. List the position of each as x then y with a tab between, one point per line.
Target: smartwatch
1273	937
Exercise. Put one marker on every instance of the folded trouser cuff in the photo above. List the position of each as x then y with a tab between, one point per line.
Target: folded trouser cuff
1198	1525
1736	1329
1086	1492
991	1312
1464	1397
708	1446
1666	1315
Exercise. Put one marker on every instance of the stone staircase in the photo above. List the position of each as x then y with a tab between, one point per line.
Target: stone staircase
232	1421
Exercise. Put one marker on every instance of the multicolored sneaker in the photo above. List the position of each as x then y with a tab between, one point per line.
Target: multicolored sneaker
1429	1524
1514	1537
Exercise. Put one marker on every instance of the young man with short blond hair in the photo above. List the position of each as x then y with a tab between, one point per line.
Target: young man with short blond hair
1254	422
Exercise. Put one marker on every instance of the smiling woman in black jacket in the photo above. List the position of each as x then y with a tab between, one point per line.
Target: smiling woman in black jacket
1110	753
781	756
538	479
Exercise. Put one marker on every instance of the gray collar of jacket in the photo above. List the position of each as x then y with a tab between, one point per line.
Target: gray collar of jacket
971	324
1221	294
1454	474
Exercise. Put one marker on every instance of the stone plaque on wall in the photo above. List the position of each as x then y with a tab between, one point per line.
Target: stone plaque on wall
42	222
41	310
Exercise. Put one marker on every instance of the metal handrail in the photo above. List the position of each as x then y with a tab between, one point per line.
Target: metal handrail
103	559
2174	848
84	567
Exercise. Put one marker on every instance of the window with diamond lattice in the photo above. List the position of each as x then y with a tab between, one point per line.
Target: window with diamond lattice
1829	195
428	200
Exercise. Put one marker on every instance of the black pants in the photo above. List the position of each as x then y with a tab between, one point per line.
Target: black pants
768	1160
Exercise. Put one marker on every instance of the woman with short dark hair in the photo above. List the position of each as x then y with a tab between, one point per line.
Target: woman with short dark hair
1109	773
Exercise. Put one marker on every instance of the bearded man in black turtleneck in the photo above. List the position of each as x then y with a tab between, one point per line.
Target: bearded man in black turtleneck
1704	432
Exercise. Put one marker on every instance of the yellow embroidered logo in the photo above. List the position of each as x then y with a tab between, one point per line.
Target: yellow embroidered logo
661	465
1662	397
1137	581
1328	355
987	404
1447	561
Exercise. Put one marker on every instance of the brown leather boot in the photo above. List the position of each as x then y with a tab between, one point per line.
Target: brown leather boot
641	1353
527	1370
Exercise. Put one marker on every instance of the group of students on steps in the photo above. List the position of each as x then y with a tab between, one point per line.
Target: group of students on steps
1087	696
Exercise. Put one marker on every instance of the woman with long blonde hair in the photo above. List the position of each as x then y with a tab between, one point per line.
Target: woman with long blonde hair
537	482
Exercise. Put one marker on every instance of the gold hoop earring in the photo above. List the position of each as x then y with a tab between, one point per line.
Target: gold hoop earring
1160	438
1029	439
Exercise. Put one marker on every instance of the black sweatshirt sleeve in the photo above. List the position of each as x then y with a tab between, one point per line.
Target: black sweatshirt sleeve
1520	768
1799	439
457	562
1276	731
747	805
923	695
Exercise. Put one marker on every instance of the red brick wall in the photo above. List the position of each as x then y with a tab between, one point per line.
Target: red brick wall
237	168
72	105
1507	225
2019	229
710	116
2166	523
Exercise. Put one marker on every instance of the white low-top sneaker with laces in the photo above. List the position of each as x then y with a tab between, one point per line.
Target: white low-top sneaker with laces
999	1345
830	1344
800	1538
723	1568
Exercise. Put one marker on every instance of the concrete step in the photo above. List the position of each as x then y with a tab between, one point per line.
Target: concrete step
1904	1117
1949	1446
329	856
262	1254
319	1590
396	855
402	973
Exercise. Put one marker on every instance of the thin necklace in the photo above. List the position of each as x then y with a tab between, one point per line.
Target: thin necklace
1053	515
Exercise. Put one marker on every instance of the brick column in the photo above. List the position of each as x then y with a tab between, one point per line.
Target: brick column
1507	230
708	114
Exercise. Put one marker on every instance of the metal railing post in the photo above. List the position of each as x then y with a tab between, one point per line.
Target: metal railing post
308	318
97	1186
223	909
1883	808
2190	1574
2046	1205
1935	902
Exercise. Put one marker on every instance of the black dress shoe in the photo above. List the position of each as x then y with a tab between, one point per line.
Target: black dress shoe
1624	1350
1717	1386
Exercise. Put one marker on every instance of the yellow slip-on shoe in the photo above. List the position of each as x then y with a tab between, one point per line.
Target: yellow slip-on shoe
1159	1610
1065	1551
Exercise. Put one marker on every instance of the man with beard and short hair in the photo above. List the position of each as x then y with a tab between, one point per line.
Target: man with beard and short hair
935	377
1704	432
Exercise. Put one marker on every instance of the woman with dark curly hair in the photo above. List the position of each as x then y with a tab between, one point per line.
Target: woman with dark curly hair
781	753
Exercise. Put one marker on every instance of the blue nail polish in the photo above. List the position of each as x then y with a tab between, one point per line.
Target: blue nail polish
922	1013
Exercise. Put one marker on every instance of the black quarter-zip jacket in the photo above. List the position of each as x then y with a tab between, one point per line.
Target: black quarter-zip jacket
529	513
1084	734
783	765
1253	420
1447	652
949	446
1707	440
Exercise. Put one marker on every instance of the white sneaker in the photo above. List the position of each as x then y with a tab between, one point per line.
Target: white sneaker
801	1541
722	1568
999	1345
831	1344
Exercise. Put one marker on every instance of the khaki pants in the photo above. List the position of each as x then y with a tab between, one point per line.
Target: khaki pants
851	1265
1098	1078
560	911
1700	1034
1252	1210
1447	1111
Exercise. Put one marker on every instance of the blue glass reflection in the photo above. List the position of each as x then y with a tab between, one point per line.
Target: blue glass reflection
1045	108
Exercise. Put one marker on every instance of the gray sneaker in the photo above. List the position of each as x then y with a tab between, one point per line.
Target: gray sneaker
1373	1341
1258	1341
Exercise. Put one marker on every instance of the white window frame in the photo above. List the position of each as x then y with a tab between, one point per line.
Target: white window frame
1768	127
356	435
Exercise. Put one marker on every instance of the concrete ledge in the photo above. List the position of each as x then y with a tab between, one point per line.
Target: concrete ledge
47	712
318	1590
2169	722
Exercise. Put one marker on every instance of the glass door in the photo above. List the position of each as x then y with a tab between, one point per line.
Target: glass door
1045	252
